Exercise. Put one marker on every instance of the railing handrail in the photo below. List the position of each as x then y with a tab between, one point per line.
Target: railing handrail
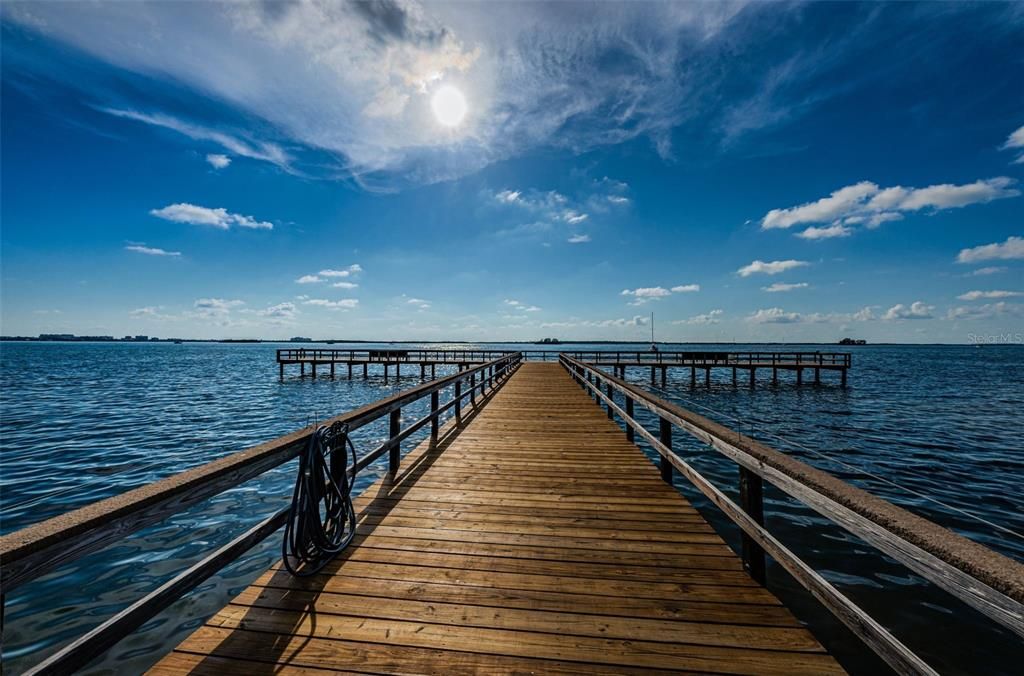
34	550
977	575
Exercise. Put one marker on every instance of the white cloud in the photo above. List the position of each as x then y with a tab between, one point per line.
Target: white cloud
309	279
574	218
345	285
686	288
151	312
774	315
353	269
1011	249
579	239
282	312
150	251
769	268
917	310
618	199
866	203
976	295
520	306
647	292
987	311
184	212
508	196
829	232
419	302
1015	141
214	308
780	286
218	161
713	317
991	270
344	304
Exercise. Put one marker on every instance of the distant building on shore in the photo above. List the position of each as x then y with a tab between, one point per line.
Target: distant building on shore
853	341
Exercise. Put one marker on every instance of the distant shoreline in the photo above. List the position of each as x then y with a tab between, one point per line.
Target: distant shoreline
536	345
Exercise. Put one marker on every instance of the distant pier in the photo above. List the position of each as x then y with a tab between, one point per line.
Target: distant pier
797	363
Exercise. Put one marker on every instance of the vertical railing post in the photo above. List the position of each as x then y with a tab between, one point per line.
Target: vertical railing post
434	422
665	437
608	390
752	502
394	429
630	432
458	400
472	388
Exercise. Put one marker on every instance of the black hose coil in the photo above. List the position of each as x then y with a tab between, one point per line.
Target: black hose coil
322	521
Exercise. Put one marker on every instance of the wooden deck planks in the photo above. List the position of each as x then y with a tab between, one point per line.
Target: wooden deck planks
533	539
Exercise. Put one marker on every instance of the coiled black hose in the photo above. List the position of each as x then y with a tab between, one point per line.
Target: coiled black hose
322	521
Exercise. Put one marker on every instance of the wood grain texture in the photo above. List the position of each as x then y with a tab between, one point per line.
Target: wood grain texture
533	539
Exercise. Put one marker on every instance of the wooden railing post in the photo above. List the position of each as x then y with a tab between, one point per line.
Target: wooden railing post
665	437
630	432
434	422
393	431
609	391
752	502
458	400
472	387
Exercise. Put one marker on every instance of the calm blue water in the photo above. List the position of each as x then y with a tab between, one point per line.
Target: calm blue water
81	422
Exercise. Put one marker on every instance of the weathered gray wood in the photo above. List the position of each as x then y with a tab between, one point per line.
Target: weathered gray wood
752	502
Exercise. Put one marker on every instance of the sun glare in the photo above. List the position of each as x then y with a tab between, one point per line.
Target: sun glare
449	106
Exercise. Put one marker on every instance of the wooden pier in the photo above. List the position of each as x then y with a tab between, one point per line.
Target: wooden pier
532	539
528	534
797	363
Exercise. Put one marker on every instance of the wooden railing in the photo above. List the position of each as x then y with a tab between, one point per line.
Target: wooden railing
289	355
33	551
713	358
986	580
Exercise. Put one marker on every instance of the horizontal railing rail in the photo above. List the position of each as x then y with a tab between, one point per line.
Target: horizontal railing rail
639	357
982	578
714	358
289	355
33	551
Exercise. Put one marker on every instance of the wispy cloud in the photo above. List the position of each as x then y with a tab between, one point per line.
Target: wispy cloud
977	295
1016	142
986	311
778	287
578	239
770	267
712	317
983	272
1011	249
420	303
520	306
867	204
150	250
183	212
343	304
257	150
329	273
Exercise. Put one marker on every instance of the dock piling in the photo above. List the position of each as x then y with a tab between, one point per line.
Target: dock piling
752	502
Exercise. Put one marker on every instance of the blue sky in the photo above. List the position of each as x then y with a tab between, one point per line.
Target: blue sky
746	171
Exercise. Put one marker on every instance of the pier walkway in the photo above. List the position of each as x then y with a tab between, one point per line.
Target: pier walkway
533	538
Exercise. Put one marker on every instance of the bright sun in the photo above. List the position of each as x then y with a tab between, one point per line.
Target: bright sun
449	106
